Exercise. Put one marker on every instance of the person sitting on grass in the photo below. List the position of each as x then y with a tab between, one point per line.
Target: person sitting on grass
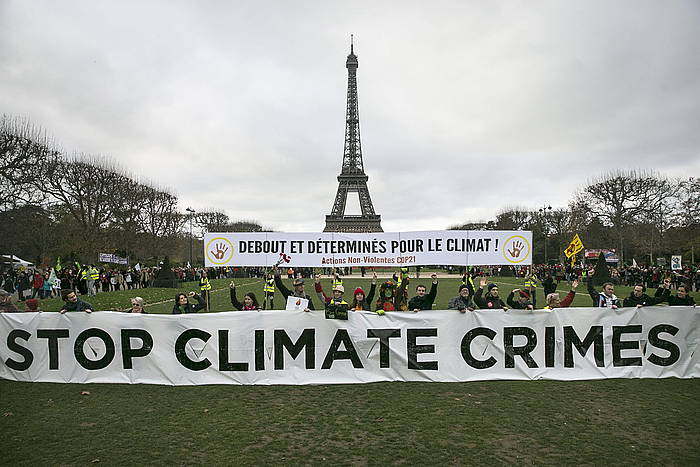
182	304
73	303
6	305
423	301
523	302
639	298
362	301
553	298
463	301
138	305
606	298
682	297
491	301
250	301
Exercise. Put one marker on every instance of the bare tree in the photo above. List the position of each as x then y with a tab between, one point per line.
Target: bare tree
621	198
686	210
85	187
25	152
158	215
211	220
513	218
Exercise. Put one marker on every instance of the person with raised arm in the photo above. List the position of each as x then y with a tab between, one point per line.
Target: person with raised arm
298	292
182	304
423	301
362	301
606	298
250	301
491	300
553	301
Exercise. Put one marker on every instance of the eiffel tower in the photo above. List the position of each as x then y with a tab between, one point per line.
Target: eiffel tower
352	178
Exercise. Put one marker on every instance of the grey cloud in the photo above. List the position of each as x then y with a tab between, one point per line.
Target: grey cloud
465	107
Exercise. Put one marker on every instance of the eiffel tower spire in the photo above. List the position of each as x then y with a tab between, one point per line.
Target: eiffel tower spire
352	178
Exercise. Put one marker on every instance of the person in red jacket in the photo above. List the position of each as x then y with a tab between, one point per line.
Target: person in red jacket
37	284
554	302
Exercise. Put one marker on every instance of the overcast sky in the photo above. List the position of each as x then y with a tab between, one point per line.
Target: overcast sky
466	107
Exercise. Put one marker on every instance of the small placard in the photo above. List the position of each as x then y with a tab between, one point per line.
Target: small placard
296	304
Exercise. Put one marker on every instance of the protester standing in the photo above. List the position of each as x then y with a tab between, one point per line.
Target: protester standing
138	305
491	300
250	301
423	301
606	298
73	303
182	304
463	301
298	286
360	300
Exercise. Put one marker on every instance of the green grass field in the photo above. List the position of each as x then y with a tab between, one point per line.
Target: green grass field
622	422
648	422
161	300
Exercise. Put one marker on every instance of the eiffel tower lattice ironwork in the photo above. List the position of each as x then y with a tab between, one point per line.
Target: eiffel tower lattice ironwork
352	178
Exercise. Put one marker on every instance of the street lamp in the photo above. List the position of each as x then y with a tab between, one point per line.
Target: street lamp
544	210
192	212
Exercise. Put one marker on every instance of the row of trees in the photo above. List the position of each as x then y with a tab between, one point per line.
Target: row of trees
78	205
641	214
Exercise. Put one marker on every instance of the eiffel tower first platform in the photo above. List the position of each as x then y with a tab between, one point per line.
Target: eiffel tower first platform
352	178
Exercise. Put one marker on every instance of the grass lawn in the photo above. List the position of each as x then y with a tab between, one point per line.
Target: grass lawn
543	422
648	422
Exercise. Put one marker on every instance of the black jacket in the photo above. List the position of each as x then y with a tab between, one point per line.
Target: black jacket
79	305
190	308
286	292
489	302
516	304
549	286
644	300
674	300
425	302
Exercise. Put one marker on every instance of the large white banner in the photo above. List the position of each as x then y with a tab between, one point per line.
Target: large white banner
286	347
389	249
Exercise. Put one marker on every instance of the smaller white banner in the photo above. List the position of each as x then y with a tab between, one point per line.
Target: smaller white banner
388	249
676	263
296	304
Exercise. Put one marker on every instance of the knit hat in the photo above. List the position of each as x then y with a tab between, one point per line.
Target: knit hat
359	290
32	304
462	286
491	286
339	288
298	282
525	294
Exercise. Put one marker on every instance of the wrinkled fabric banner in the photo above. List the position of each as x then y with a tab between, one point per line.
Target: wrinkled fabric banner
281	347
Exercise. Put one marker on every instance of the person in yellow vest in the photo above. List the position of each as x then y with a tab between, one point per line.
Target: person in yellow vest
400	276
92	276
531	287
336	306
337	280
269	292
205	287
82	276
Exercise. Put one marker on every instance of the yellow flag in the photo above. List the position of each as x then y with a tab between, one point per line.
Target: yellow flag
574	247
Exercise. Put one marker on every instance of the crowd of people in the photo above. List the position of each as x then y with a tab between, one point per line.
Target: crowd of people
73	284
